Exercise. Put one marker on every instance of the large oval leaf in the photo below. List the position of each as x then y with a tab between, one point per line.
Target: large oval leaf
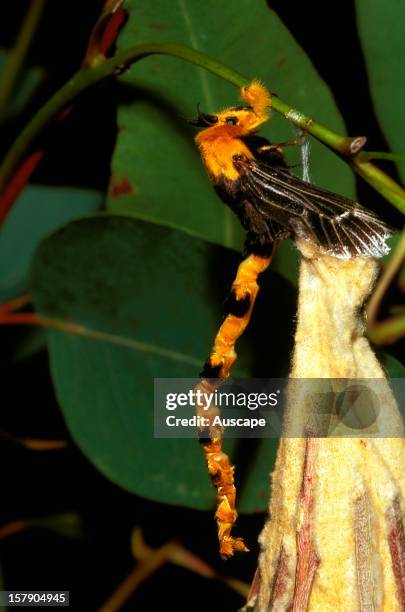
157	173
382	29
37	212
144	299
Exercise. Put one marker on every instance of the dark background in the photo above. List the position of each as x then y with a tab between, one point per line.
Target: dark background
36	484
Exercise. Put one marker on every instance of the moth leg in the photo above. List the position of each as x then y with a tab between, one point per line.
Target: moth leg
279	146
217	368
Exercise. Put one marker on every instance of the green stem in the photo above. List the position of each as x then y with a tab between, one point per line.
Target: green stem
395	157
388	331
17	55
380	181
87	77
389	272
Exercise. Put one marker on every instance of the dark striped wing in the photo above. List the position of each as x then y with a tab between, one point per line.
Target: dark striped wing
336	225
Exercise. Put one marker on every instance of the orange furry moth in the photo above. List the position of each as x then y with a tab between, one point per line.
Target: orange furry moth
250	175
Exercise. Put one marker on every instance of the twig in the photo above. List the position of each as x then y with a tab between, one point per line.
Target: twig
389	330
150	560
15	304
35	444
14	527
389	272
395	157
102	38
17	55
348	148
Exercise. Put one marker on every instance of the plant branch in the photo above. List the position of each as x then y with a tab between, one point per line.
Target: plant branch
35	444
400	159
150	560
389	272
348	148
102	38
9	316
13	527
387	331
15	303
18	54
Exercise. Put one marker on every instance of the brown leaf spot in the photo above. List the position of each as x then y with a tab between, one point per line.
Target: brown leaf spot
157	26
121	187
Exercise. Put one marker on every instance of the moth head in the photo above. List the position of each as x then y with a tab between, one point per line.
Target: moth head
238	121
235	121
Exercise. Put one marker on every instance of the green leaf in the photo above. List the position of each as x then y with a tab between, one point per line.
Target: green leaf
381	27
286	261
26	87
393	367
144	296
157	173
38	211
